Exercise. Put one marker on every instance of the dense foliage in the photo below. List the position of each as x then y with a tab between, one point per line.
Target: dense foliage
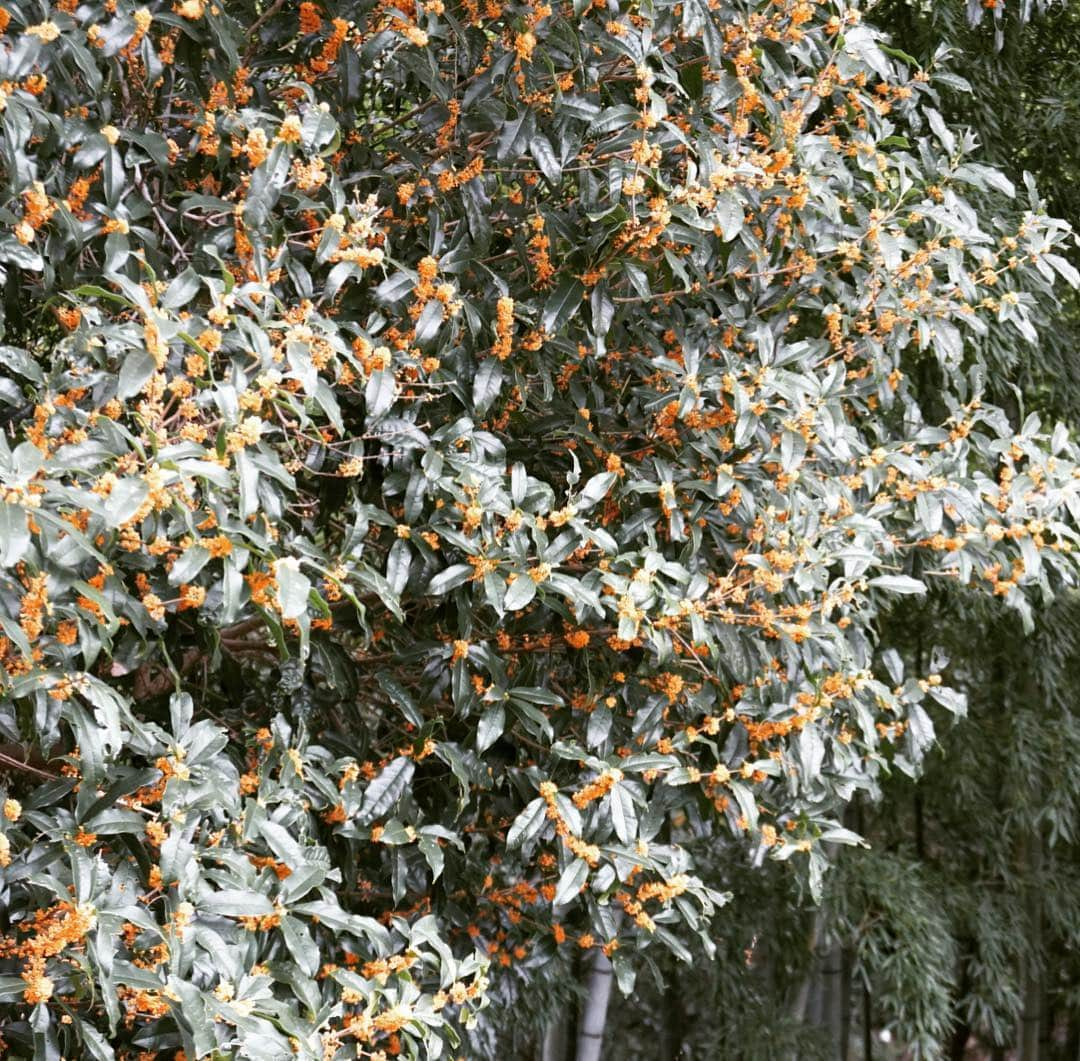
958	933
457	458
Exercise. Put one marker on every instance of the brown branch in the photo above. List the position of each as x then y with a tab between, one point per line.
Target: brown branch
27	768
257	25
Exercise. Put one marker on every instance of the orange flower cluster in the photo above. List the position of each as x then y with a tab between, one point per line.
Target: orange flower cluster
51	930
381	969
504	328
325	61
261	922
139	1002
539	247
451	178
578	639
38	208
590	853
597	789
310	20
35	604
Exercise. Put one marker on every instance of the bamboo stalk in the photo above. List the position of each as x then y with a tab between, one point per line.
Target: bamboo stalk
1030	1022
594	1011
556	1046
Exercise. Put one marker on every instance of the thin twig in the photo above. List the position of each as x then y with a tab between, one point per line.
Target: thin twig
26	768
257	25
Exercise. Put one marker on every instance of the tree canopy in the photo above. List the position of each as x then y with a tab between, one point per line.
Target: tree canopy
457	461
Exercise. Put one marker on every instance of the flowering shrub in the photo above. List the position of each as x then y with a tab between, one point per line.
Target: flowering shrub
456	455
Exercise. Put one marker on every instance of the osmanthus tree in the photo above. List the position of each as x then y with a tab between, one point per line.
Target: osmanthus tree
456	456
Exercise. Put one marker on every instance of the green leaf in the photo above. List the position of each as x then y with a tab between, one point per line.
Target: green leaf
429	322
487	384
236	902
301	946
400	695
729	215
450	578
20	362
596	489
839	835
136	370
562	304
182	290
379	392
398	561
744	796
514	135
14	534
546	159
189	564
434	855
625	974
293	587
492	724
623	813
395	287
528	824
897	584
535	695
614	118
11	250
570	882
385	790
519	593
124	501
